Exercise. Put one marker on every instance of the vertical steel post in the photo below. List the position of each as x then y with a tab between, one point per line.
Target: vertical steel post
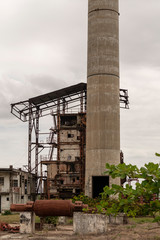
64	106
41	179
29	137
37	141
81	102
85	103
58	135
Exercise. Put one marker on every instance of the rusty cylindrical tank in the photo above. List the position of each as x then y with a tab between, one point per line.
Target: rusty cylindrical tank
43	208
53	208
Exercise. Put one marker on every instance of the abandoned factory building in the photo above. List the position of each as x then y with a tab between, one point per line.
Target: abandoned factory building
16	186
58	152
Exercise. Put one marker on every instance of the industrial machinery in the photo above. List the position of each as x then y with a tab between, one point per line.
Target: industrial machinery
61	175
44	208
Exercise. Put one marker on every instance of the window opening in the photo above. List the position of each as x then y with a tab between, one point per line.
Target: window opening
70	135
15	183
1	181
25	187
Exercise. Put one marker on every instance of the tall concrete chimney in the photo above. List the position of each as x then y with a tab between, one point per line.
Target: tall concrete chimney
103	107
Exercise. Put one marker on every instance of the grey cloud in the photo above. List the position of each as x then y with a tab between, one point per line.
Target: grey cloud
43	48
140	125
139	35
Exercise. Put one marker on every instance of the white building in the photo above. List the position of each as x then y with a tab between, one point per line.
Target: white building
16	186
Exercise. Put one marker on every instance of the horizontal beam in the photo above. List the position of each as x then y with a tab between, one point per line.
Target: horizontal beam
22	109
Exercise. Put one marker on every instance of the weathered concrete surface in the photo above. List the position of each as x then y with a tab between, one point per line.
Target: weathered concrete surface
89	223
62	220
118	220
103	120
27	222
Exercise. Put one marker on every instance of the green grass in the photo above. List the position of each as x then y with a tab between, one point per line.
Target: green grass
14	218
37	219
131	226
140	220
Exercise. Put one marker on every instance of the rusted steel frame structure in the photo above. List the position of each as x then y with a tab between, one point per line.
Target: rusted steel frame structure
41	106
124	98
48	102
33	124
82	147
58	134
54	182
56	104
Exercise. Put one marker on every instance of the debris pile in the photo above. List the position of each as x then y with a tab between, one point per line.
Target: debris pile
7	227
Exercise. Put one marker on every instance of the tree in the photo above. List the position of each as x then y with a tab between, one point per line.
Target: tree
127	199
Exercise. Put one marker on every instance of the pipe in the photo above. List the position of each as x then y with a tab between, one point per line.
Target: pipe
44	208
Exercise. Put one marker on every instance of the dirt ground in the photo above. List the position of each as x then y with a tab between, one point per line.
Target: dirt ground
130	231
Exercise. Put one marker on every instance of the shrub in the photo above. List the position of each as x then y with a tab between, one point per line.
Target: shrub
86	200
7	212
51	220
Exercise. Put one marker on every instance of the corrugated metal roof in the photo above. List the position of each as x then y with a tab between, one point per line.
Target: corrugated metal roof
58	94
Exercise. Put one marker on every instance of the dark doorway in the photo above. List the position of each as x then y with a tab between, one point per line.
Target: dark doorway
98	183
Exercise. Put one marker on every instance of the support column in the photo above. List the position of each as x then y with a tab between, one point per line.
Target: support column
27	222
58	134
30	137
37	141
103	119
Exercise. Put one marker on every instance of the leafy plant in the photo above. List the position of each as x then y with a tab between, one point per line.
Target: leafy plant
139	201
51	220
129	200
86	200
7	212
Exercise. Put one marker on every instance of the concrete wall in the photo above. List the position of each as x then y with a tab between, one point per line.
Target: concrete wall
69	153
51	170
27	222
84	223
89	223
8	199
71	150
103	119
5	204
64	136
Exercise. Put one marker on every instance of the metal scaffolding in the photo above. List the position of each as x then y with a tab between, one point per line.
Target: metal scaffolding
56	104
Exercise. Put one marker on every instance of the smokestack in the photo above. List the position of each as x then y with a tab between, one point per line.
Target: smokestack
103	117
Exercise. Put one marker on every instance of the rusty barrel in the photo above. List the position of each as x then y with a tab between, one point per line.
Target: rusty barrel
43	208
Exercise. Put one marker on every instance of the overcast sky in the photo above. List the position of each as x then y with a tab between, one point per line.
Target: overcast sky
43	47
